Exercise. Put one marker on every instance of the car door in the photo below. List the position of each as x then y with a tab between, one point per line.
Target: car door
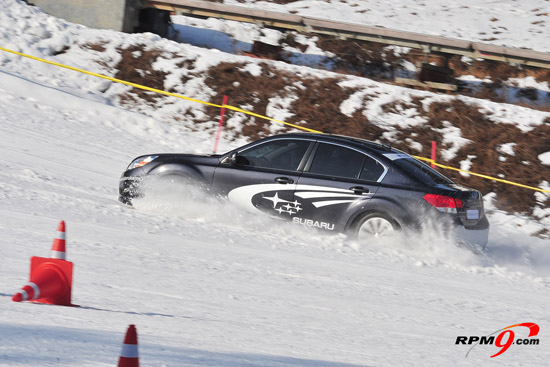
262	177
337	181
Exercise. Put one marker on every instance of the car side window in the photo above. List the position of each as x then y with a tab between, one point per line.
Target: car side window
282	154
337	161
372	170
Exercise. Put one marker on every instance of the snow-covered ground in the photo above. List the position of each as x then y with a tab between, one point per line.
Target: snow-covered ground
205	284
511	23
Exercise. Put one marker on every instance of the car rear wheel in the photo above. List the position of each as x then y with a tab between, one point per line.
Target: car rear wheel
375	225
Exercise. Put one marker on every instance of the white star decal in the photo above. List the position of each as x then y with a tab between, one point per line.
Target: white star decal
275	199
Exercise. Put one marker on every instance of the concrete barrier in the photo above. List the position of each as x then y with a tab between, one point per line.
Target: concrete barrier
119	15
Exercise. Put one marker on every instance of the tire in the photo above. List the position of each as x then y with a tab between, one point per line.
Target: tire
376	226
162	186
175	180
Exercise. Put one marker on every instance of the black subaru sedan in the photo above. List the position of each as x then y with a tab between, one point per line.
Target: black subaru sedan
331	182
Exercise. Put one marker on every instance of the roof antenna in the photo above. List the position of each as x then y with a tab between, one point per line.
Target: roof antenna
387	146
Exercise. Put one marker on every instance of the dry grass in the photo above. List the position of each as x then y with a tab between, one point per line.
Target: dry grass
99	47
317	100
360	57
523	167
136	66
245	89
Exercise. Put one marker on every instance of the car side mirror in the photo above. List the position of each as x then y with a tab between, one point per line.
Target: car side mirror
232	159
236	160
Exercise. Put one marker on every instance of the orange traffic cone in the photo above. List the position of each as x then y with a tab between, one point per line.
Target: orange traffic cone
129	354
58	247
50	279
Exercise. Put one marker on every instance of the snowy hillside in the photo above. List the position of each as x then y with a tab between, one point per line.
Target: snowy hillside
206	284
511	23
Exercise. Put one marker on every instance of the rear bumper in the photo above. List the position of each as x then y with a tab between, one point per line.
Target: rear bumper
479	235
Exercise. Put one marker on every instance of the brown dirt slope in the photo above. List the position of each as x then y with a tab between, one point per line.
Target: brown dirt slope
310	93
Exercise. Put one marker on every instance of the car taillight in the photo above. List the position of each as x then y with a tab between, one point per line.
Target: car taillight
444	204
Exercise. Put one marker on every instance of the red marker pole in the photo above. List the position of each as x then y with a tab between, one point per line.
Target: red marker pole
218	133
434	152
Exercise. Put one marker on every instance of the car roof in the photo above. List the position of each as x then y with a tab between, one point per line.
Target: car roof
362	143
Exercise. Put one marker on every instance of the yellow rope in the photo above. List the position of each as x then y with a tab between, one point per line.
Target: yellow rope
480	175
154	90
246	112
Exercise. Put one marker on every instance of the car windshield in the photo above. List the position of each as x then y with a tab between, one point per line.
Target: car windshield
422	171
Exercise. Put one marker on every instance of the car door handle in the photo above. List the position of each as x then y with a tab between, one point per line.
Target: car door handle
359	190
284	180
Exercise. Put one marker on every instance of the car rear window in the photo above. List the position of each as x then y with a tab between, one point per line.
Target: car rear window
421	171
338	161
372	170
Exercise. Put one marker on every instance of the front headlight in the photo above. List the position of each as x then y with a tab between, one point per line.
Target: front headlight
142	161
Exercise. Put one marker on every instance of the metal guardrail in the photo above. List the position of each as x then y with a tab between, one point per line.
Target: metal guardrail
427	43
